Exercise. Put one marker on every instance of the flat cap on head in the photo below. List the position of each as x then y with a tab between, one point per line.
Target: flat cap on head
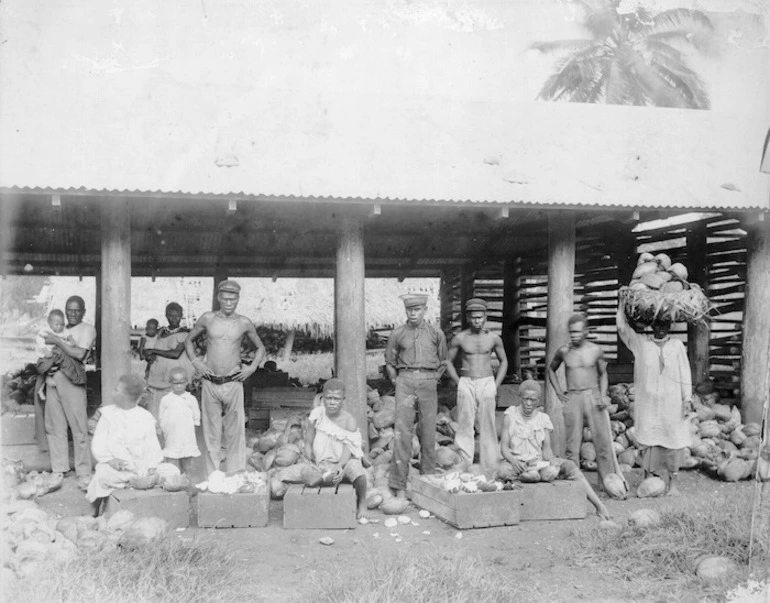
475	304
414	299
229	286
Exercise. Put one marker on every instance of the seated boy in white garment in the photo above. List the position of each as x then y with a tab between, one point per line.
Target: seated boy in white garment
333	443
526	443
124	445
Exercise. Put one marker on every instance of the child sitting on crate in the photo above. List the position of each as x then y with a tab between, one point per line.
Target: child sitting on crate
124	445
333	443
526	443
178	416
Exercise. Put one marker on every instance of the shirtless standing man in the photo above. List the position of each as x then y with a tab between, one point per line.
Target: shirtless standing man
585	396
477	387
222	416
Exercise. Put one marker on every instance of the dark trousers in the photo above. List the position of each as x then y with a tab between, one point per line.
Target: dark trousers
415	394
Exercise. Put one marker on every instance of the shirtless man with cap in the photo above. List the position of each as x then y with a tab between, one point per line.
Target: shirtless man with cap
477	385
222	414
414	360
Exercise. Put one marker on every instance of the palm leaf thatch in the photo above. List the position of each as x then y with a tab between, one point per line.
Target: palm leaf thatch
630	59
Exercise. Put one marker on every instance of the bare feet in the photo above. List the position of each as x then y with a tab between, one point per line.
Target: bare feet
673	491
362	514
602	512
399	494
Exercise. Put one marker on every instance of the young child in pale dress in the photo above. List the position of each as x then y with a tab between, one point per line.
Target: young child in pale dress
124	445
178	416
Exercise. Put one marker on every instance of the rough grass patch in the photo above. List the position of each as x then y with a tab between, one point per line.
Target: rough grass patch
171	570
440	576
660	561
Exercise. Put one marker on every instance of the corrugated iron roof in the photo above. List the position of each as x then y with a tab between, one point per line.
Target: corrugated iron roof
376	101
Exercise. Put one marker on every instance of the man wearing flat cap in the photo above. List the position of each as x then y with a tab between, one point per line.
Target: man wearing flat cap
477	385
414	360
222	413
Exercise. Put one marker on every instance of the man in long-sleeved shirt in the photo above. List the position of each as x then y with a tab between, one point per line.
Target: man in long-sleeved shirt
415	360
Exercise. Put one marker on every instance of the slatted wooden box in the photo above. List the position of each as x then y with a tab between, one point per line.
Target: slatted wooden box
560	499
18	430
319	508
174	507
463	510
247	510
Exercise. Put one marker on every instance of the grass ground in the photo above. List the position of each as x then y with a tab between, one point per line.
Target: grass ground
170	571
661	560
430	561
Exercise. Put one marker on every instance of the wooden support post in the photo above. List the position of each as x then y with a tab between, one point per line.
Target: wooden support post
220	274
755	361
467	278
115	292
625	257
445	299
698	335
288	346
561	284
98	318
512	314
350	331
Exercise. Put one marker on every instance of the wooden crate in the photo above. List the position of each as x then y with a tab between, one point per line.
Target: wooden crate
248	510
284	397
559	499
18	429
478	510
319	508
174	507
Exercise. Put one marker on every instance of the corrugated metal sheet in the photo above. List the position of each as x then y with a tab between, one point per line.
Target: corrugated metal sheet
379	101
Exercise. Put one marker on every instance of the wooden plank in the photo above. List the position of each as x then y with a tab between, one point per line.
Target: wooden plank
232	510
463	510
319	508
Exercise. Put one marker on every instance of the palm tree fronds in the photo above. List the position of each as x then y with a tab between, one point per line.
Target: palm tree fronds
558	45
633	59
681	18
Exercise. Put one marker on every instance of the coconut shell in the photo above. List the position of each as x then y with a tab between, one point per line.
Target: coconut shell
394	506
715	569
735	470
549	473
721	412
286	455
752	429
505	472
644	518
671	287
588	451
267	442
374	500
446	457
615	486
679	271
645	268
628	457
663	260
311	476
530	477
277	489
652	280
651	487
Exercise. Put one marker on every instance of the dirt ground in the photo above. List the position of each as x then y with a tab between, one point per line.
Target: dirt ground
277	564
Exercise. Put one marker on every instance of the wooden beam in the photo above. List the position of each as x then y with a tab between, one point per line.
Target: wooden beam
561	283
698	334
375	211
350	324
755	361
115	292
